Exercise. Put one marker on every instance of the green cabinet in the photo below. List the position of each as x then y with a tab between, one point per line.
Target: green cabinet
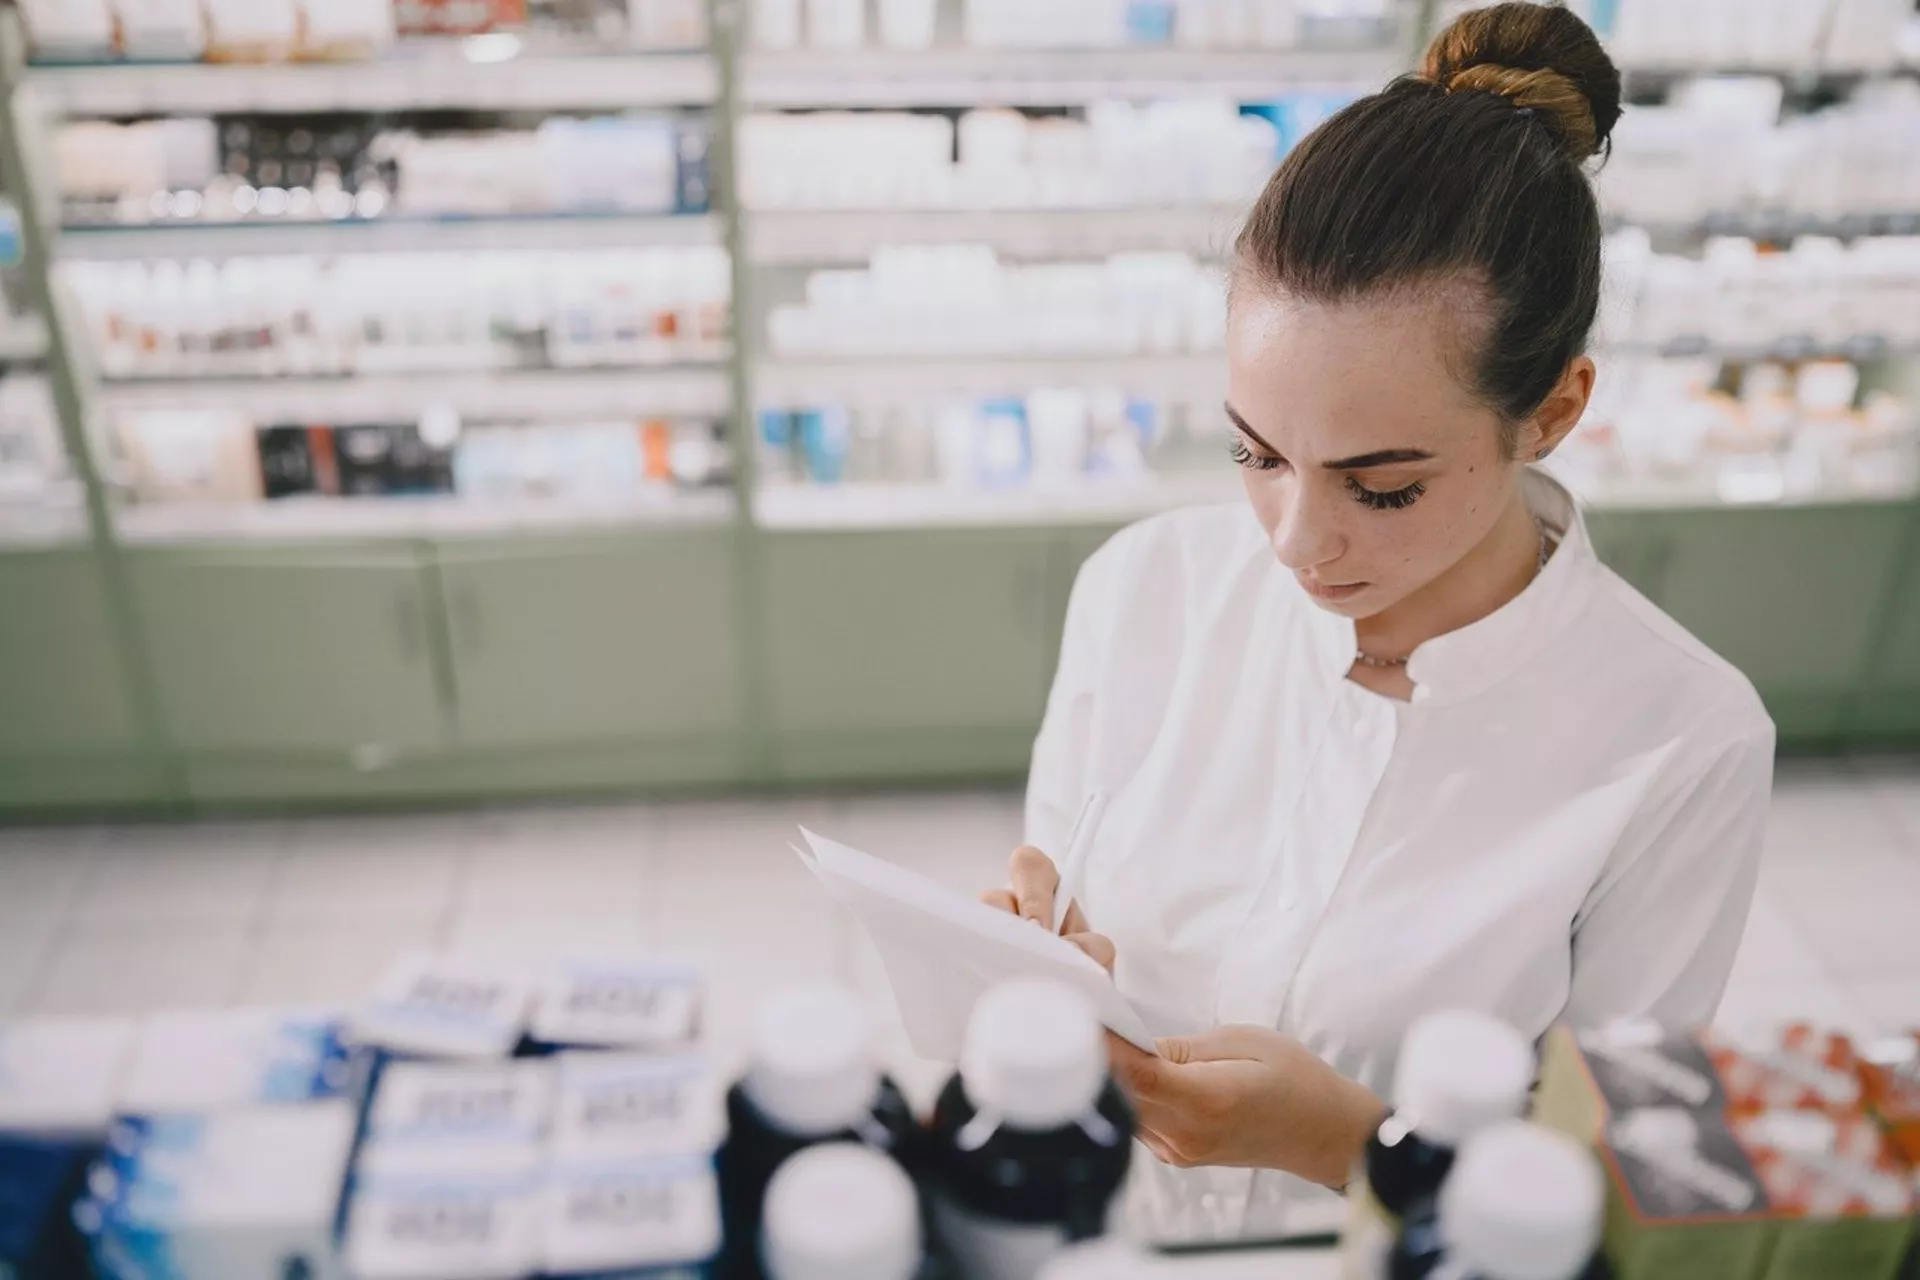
1887	707
310	651
906	654
1793	596
582	640
69	733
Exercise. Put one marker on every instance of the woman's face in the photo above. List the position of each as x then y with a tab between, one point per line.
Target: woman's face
1371	465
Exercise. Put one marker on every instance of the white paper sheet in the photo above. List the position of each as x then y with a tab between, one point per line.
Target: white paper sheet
943	950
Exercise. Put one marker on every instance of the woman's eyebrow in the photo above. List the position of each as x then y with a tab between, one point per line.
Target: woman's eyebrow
1240	422
1378	458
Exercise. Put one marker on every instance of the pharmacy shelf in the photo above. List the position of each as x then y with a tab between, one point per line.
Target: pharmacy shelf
36	524
1777	225
22	338
263	237
1862	349
1039	78
827	380
1707	487
810	238
355	519
418	75
1115	500
1649	80
540	395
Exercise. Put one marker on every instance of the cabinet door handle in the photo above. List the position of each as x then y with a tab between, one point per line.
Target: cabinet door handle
409	624
466	620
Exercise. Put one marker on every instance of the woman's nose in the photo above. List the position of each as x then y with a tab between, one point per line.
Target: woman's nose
1306	535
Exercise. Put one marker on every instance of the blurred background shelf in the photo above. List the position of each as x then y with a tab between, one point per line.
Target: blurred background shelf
800	379
1111	501
40	525
387	235
367	519
807	237
1024	77
701	391
418	75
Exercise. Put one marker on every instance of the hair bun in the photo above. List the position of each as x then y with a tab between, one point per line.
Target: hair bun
1538	56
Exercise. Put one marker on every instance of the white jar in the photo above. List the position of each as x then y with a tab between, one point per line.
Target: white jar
908	24
836	24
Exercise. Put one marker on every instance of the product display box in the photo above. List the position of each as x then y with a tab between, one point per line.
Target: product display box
1738	1162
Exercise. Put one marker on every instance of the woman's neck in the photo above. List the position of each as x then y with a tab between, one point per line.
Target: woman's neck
1490	575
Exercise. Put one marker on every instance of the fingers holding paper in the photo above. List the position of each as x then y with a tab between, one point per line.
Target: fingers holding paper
1246	1097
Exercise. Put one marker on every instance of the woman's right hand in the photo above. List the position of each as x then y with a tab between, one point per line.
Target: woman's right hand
1033	883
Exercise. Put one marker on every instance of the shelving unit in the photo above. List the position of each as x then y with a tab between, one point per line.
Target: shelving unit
1022	77
419	75
270	238
761	632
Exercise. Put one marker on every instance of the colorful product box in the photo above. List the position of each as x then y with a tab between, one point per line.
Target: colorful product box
1735	1162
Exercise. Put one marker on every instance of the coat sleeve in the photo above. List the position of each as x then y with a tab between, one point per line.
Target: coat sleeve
1059	778
1658	935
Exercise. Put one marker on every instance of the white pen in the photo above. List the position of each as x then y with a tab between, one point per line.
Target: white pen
1079	846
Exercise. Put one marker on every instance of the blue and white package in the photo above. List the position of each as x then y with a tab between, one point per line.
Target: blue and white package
479	1219
39	1180
442	1112
617	1106
245	1194
446	1006
197	1062
613	1003
62	1075
654	1218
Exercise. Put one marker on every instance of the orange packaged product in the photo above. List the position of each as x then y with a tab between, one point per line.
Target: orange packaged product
1890	1070
1841	1196
1802	1070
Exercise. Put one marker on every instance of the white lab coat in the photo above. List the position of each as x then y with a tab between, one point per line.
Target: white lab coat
1565	824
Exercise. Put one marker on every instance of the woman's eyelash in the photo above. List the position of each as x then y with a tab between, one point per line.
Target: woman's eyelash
1392	500
1237	449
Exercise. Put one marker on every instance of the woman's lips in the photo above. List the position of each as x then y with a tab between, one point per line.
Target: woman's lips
1322	591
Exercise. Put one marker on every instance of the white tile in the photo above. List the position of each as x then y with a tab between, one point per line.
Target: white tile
521	937
554	860
213	873
1820	809
962	840
326	964
715	859
117	968
1775	947
26	944
1858	922
1896	783
750	949
1893	1004
41	870
1757	1008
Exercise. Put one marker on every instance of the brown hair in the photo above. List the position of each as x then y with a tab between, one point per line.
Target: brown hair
1471	168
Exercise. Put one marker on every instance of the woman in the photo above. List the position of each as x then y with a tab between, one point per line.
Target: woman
1398	742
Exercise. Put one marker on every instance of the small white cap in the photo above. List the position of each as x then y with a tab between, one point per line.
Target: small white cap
841	1212
1522	1203
1034	1056
1460	1072
813	1070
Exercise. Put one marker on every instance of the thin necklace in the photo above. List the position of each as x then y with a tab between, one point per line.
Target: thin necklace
1366	659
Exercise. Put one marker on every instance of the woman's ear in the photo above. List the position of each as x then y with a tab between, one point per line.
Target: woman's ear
1559	413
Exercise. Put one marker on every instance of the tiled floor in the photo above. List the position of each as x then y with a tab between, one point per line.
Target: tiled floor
310	911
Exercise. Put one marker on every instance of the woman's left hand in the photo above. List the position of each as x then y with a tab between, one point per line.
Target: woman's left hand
1247	1097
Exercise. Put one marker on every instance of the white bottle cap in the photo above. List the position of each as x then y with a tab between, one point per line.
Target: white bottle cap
1460	1072
1522	1203
1034	1056
841	1212
813	1070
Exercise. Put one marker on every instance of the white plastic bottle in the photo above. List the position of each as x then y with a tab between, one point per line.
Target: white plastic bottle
1524	1203
836	24
908	24
776	23
841	1212
1030	1141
